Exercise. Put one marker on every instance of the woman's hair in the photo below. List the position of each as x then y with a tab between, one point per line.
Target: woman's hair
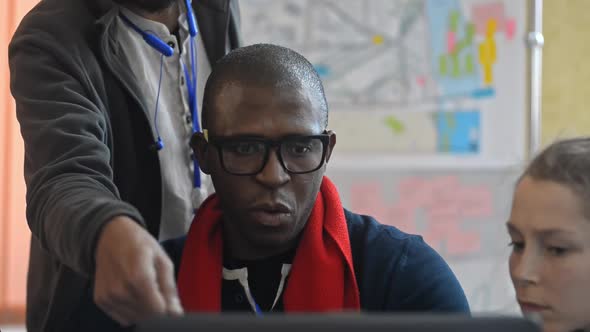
566	162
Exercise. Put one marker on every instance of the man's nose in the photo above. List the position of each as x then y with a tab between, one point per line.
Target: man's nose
273	174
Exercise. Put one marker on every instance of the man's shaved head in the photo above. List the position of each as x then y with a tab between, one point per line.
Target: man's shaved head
264	65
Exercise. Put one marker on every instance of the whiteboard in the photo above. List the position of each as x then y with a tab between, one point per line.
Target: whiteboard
428	99
437	80
460	213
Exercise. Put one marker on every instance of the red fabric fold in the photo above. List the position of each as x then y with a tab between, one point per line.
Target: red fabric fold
322	276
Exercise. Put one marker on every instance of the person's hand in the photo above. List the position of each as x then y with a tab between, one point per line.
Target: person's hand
134	278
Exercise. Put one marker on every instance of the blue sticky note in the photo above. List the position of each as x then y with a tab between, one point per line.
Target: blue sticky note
458	132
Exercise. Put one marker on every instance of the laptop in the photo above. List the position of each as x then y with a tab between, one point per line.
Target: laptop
338	323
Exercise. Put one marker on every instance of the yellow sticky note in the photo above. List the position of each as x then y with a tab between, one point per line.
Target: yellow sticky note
378	39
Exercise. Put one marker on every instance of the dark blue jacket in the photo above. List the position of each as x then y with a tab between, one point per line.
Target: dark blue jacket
395	271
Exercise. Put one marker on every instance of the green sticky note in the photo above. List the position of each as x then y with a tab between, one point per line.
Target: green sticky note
454	21
469	66
396	125
469	33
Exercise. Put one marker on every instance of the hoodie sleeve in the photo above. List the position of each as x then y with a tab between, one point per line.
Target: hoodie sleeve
68	174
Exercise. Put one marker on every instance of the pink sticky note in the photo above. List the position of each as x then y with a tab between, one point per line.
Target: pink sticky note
421	80
402	217
463	243
438	231
444	185
446	231
410	185
443	209
451	41
415	191
510	28
367	198
482	13
475	202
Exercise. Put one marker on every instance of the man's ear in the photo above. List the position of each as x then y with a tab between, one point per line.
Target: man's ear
331	144
200	148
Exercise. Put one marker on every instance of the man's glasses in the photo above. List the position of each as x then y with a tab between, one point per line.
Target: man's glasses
249	155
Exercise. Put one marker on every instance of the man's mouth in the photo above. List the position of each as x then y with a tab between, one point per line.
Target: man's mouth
271	214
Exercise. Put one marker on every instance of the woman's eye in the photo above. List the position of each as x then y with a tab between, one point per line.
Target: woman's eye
557	251
517	246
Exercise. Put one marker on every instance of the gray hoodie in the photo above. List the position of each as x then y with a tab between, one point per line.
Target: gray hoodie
88	154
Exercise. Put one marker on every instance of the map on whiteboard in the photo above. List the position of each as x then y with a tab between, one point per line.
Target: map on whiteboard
403	76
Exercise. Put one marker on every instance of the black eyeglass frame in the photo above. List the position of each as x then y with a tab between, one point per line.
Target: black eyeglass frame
219	142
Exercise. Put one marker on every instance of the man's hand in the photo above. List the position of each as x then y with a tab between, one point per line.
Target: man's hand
134	278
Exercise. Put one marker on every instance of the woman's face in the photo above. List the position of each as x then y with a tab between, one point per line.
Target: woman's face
550	260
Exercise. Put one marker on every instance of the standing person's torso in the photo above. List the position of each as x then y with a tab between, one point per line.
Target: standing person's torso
172	120
79	36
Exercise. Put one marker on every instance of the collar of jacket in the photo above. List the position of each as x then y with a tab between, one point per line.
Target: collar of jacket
212	15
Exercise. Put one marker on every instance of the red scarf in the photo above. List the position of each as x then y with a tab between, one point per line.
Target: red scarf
322	275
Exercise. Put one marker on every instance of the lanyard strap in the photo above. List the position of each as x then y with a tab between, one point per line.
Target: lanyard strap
241	275
193	98
191	83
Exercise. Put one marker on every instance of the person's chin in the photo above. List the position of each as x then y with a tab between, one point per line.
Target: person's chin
272	239
272	242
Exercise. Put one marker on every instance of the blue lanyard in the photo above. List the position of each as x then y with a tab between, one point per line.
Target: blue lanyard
193	102
258	311
192	86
